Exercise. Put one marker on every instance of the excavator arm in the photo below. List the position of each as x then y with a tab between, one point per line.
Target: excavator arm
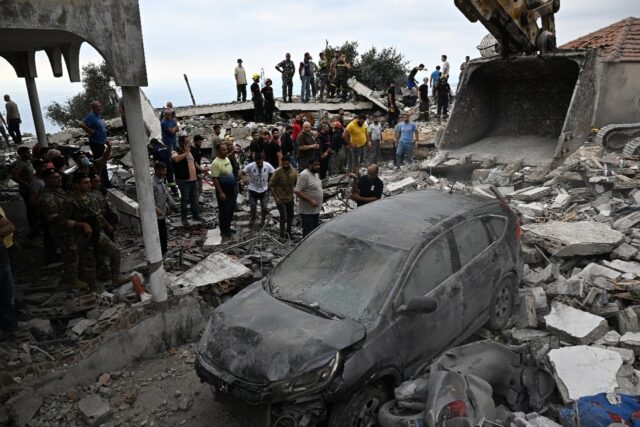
514	23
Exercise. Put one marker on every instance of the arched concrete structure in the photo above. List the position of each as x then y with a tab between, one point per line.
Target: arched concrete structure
112	27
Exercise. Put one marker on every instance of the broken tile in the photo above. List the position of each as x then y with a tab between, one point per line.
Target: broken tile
568	239
213	238
575	326
575	374
95	410
215	268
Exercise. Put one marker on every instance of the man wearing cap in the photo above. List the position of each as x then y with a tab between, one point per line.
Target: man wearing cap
256	97
287	68
423	95
241	81
50	205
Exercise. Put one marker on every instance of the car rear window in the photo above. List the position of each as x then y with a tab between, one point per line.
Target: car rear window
496	226
471	239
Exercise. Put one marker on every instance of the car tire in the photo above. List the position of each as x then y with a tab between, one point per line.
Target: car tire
391	415
502	305
362	409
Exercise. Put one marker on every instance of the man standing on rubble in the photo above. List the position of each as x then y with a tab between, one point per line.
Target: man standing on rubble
323	75
162	201
281	184
257	175
443	93
269	101
423	95
288	145
374	130
94	126
435	78
306	71
50	204
196	152
225	184
342	76
392	109
326	150
446	67
170	129
411	79
287	68
186	171
109	213
339	147
13	120
87	222
367	188
357	138
406	134
241	82
308	147
273	150
309	192
256	97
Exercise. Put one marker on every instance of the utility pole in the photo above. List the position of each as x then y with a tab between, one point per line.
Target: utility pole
193	100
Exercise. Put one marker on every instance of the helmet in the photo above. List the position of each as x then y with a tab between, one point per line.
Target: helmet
255	76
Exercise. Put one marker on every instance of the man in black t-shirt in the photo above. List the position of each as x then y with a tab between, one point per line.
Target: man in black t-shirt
256	97
269	101
411	80
423	94
367	188
273	150
392	108
257	145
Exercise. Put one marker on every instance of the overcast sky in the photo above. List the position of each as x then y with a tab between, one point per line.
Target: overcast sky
203	38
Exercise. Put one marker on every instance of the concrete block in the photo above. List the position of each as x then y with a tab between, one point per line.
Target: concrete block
630	267
568	239
576	373
82	326
626	222
531	210
213	238
570	288
624	252
530	255
95	410
23	406
41	326
215	268
530	194
561	202
540	276
128	210
628	356
575	326
399	185
522	336
627	321
540	298
527	317
611	338
593	271
631	340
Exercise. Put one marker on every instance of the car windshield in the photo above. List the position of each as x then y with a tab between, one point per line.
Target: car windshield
343	275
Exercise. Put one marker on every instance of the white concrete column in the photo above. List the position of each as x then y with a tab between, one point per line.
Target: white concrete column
36	112
147	207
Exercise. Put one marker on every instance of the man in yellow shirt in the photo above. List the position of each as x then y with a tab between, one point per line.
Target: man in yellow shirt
225	184
356	137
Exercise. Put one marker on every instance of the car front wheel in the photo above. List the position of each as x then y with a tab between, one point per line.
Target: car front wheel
502	305
362	409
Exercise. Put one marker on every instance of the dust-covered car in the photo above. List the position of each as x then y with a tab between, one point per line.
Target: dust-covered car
359	305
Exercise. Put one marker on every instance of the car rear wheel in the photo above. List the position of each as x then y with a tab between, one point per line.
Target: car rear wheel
392	415
502	305
362	409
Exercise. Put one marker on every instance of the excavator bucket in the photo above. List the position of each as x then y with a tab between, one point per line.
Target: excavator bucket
534	109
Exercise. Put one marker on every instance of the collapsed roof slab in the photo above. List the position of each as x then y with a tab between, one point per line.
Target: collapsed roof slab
322	106
208	109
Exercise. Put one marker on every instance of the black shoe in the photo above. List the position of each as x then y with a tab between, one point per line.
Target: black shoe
185	222
232	230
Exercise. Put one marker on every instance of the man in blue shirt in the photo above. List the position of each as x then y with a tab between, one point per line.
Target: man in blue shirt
435	78
94	126
406	134
169	130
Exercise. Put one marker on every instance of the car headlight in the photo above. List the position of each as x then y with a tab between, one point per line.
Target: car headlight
311	381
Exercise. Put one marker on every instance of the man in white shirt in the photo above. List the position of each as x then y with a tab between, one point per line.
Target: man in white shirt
241	81
310	195
446	67
257	174
375	136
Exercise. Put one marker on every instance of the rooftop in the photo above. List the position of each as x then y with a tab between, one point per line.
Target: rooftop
619	42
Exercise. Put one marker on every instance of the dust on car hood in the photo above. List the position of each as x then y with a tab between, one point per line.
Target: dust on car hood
261	339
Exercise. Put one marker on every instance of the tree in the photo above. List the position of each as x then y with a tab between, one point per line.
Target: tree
376	69
348	48
96	81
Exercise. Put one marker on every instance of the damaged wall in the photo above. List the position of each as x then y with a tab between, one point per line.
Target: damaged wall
619	98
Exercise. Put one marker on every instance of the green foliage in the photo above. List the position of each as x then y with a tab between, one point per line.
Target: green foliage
376	68
349	48
96	81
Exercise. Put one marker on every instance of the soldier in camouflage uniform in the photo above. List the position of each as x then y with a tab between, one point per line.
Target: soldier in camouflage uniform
79	207
287	68
50	203
111	219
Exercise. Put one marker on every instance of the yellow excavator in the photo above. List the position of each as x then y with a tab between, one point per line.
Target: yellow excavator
523	99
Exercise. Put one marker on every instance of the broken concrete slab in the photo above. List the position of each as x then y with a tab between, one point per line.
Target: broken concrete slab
128	210
209	109
322	106
631	340
399	185
627	321
540	276
23	406
575	374
594	271
41	326
531	210
150	117
568	239
530	254
363	90
627	221
215	268
628	356
571	288
522	336
540	298
530	194
575	326
82	326
527	317
623	266
213	239
95	410
624	252
561	202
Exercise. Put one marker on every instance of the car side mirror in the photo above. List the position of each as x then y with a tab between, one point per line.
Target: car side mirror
419	305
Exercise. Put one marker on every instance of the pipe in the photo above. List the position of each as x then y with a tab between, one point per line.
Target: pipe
147	207
36	112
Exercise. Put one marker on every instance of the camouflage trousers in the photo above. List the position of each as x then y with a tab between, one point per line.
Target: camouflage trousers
287	88
88	252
